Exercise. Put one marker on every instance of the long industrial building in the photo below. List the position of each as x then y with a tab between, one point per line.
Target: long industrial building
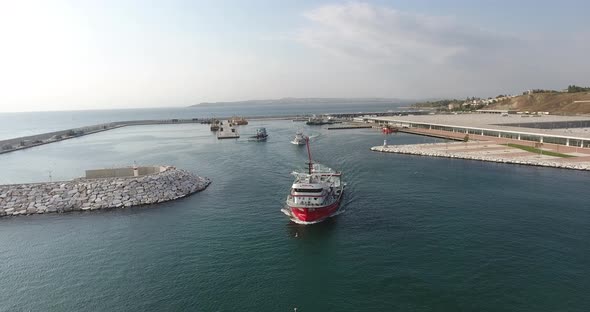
562	130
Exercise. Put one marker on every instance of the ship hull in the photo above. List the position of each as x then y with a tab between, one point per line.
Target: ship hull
314	214
258	139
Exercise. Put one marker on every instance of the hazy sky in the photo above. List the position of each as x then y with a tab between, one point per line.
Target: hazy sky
62	55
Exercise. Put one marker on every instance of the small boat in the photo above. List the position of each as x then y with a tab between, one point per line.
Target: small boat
299	138
238	121
227	132
261	135
315	195
314	121
214	125
388	129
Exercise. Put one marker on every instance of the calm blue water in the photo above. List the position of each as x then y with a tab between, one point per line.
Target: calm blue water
22	124
417	234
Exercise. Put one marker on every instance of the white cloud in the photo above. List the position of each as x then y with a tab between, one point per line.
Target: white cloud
385	35
423	55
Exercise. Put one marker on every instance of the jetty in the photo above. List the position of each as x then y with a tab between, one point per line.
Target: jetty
564	131
491	151
228	131
15	144
344	127
101	189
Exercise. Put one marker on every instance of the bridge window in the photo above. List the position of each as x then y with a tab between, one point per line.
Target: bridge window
299	190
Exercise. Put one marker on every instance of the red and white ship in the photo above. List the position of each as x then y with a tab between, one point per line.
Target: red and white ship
315	195
388	129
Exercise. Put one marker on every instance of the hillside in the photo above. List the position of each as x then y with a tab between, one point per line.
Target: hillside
548	102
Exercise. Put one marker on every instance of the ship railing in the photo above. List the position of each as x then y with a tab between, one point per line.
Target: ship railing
306	203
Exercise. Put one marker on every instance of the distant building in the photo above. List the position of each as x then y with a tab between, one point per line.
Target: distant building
496	111
454	106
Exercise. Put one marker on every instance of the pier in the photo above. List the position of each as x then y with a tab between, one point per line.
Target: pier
350	127
493	152
550	141
563	131
15	144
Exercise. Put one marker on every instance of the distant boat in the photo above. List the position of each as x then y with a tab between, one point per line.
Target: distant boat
388	129
238	121
214	125
227	132
314	121
261	135
299	138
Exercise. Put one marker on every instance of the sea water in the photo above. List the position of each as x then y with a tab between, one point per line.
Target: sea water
417	234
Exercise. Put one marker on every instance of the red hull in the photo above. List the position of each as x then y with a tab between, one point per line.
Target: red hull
314	214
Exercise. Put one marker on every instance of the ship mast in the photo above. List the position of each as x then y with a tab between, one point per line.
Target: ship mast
310	163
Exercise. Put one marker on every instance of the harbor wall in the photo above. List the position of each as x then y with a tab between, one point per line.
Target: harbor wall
15	144
123	172
83	194
422	150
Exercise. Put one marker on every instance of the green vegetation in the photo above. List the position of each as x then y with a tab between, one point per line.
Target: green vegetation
570	89
540	91
574	88
437	104
537	151
456	105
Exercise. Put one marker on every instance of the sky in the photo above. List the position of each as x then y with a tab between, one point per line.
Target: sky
75	55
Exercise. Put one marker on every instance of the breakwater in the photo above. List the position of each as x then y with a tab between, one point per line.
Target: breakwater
15	144
19	143
504	155
101	189
345	127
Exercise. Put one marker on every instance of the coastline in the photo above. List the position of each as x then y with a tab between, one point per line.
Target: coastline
484	151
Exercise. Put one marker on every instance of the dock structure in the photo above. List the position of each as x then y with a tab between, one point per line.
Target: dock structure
561	131
344	127
15	144
491	151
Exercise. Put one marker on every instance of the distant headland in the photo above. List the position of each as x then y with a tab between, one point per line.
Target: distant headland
309	101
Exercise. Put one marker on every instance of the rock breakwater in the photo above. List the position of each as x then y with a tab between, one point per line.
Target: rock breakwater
104	193
430	150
